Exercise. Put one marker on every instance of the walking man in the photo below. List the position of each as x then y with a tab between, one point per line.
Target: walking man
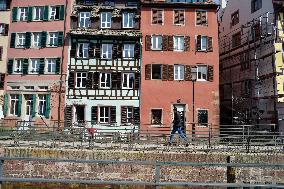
177	127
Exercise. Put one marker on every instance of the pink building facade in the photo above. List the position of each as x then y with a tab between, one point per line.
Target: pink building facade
34	86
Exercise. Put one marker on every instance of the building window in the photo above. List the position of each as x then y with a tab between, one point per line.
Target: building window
127	80
105	80
83	50
129	114
179	72
51	65
109	3
156	71
38	13
156	116
202	72
235	18
23	13
81	80
106	51
157	16
201	18
204	43
29	102
179	17
53	39
54	12
104	114
203	117
36	39
256	5
2	28
3	5
84	19
21	39
42	105
256	31
14	102
179	43
128	51
236	39
34	65
128	20
157	42
106	20
18	66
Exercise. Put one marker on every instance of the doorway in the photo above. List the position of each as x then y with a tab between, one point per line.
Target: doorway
181	110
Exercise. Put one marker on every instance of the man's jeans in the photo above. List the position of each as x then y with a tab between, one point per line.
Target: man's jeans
180	132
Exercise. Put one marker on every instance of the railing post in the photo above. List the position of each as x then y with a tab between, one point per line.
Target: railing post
157	175
231	171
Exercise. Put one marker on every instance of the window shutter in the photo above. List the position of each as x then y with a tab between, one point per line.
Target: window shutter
62	12
114	80
57	66
28	39
137	50
74	22
119	50
114	51
171	75
148	70
210	73
10	66
15	14
136	115
187	73
8	4
68	115
113	114
154	17
73	50
181	17
89	83
43	38
137	81
46	13
2	80
170	43
13	40
96	80
123	114
60	39
71	80
148	43
209	44
94	115
30	14
47	109
6	29
25	66
165	43
41	66
20	106
34	106
6	101
198	18
198	43
98	50
204	18
91	50
187	43
165	72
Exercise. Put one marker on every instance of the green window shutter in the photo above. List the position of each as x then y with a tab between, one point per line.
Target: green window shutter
62	12
13	40
30	14
41	66
15	14
20	106
43	38
47	110
6	101
45	14
25	66
57	69
60	39
28	39
10	66
34	106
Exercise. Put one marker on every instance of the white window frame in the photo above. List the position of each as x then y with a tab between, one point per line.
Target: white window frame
52	12
174	17
23	13
14	106
129	20
50	62
163	16
103	83
85	50
128	51
38	13
36	37
106	116
200	10
81	76
107	54
180	72
52	37
16	69
127	80
21	40
198	70
85	16
178	45
107	22
203	37
156	38
34	65
41	104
